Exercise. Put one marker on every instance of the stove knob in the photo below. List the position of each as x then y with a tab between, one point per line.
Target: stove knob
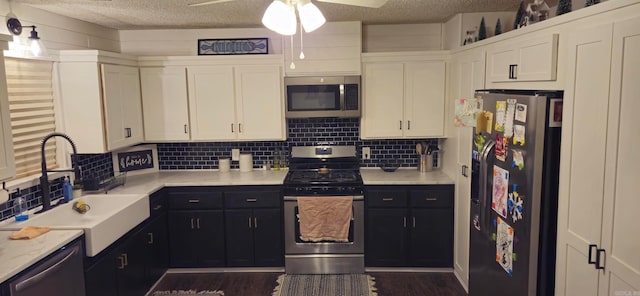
325	189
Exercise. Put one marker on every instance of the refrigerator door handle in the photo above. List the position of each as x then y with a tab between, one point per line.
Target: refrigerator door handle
483	185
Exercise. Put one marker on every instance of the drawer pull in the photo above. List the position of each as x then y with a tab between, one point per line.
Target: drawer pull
194	201
255	222
157	207
431	199
387	199
252	199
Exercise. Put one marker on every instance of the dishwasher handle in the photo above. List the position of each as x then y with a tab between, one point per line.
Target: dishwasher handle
52	265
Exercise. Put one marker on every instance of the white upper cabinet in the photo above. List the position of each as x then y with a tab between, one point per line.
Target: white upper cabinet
530	58
122	106
100	93
164	103
259	103
230	103
7	165
404	95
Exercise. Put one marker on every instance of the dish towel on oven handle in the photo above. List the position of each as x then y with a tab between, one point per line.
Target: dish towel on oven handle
325	218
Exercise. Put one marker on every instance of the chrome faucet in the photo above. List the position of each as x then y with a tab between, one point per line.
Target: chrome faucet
44	179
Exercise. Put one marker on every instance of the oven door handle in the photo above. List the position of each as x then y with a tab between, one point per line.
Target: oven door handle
295	198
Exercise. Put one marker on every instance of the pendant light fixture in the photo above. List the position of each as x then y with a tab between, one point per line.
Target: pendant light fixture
280	16
35	47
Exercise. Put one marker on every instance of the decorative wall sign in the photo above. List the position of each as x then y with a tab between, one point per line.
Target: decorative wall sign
233	46
137	160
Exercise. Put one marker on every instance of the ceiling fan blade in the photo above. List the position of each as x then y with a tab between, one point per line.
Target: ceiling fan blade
363	3
209	2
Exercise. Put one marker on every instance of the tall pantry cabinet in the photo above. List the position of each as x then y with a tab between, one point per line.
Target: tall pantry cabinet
598	240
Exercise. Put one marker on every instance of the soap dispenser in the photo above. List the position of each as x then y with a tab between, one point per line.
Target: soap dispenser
20	209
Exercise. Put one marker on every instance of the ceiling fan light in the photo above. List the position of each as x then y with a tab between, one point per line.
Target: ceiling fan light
280	17
310	16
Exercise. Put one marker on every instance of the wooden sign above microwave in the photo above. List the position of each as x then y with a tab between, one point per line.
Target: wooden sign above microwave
233	46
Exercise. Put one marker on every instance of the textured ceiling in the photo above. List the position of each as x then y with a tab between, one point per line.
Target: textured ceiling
159	14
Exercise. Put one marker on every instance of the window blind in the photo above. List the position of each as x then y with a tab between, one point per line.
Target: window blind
30	90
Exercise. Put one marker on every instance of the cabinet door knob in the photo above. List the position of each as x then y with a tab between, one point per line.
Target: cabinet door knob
249	222
400	124
255	222
408	124
191	223
126	259
194	201
414	222
431	199
251	199
239	127
198	223
387	199
186	129
150	241
465	170
404	222
232	128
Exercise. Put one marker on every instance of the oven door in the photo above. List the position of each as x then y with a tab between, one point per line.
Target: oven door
293	244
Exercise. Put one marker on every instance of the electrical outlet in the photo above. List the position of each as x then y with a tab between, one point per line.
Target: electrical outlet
366	153
235	154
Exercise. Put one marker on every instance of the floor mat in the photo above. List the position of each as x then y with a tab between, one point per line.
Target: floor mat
325	285
188	292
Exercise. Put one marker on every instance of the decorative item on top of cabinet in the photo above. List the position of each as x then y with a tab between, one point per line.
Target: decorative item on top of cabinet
527	58
100	94
482	31
404	95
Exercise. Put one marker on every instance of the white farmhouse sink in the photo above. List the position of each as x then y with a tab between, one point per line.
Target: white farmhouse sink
110	217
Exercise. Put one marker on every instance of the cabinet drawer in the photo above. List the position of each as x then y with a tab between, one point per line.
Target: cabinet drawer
386	198
195	200
431	198
252	199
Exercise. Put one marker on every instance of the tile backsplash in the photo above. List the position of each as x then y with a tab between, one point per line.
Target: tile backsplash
301	132
204	156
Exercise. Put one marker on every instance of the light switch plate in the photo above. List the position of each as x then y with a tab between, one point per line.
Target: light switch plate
366	153
235	154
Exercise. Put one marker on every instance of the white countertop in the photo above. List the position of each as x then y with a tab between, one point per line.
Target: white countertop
17	255
152	182
404	176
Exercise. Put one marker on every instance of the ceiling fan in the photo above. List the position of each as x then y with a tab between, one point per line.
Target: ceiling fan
363	3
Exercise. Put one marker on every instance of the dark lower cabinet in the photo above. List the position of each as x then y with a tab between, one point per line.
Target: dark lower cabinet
196	238
119	271
196	227
132	264
409	226
253	226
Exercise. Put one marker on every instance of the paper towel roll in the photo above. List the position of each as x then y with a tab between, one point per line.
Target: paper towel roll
246	162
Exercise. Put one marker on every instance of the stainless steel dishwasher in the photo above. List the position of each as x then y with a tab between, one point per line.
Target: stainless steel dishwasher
60	274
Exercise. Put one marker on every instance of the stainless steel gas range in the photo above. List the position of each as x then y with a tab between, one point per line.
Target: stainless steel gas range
325	174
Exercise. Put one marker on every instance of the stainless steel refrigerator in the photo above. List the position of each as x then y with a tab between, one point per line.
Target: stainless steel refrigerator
514	193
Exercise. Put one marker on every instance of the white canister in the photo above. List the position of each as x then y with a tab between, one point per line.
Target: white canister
224	164
246	162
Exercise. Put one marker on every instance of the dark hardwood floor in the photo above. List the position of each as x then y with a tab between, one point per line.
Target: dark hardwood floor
262	284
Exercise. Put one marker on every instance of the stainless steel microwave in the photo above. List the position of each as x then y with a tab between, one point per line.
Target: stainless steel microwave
330	96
